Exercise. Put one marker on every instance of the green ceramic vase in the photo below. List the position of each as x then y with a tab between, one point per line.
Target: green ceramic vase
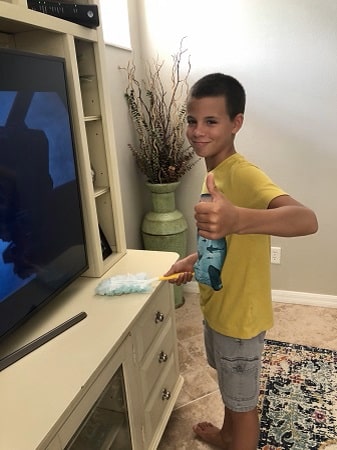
164	228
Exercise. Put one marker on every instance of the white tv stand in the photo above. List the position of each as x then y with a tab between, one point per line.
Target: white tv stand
46	395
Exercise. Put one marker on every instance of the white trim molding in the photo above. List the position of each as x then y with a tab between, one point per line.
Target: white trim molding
296	298
305	298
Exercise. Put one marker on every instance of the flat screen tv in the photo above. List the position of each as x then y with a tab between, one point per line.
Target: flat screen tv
42	241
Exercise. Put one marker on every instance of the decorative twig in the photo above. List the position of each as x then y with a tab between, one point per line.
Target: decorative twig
159	118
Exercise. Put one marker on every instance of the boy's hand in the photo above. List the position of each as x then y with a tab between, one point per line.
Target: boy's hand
185	268
218	218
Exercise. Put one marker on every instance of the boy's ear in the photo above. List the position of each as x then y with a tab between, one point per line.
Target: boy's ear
237	122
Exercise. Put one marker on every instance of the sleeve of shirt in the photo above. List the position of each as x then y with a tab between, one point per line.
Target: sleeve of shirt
257	190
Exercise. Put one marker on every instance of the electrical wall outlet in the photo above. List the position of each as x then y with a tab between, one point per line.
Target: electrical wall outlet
275	255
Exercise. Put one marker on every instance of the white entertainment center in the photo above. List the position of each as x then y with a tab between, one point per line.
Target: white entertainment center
111	380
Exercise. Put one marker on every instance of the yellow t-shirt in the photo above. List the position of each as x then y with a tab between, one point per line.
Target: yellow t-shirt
242	308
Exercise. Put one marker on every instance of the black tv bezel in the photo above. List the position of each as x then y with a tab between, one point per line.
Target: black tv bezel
45	84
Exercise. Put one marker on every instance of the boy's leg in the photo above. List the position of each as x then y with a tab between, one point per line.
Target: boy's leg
240	431
238	363
245	429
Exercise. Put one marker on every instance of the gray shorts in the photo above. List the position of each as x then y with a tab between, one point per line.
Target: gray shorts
238	364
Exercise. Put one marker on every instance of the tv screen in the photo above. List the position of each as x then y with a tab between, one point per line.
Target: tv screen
42	242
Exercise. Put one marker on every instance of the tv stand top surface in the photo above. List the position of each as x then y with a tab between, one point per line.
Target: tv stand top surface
21	352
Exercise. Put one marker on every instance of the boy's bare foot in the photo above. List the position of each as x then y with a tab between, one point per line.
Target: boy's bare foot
210	434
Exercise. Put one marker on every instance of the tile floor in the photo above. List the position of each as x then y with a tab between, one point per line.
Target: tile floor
199	399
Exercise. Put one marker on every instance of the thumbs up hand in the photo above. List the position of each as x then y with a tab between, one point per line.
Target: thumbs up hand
217	218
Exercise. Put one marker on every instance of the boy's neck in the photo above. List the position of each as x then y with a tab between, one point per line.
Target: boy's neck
212	163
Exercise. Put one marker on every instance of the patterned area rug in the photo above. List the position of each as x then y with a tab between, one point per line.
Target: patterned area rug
298	401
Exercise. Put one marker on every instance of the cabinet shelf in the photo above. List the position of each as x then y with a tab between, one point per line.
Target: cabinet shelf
100	190
92	118
87	78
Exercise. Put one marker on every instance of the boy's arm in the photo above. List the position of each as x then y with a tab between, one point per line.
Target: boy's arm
285	217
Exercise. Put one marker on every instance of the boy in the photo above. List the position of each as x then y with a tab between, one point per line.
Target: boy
246	208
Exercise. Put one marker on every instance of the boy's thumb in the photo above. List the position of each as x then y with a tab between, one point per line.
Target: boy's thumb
210	184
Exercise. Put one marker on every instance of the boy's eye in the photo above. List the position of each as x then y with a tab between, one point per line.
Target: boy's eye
190	121
211	121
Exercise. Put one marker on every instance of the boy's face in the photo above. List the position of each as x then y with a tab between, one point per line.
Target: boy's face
210	130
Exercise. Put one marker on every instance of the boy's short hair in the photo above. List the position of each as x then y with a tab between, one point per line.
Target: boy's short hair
221	85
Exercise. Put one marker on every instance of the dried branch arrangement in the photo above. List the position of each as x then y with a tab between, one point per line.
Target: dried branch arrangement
159	117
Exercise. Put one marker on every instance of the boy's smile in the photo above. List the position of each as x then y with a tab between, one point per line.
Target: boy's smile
210	130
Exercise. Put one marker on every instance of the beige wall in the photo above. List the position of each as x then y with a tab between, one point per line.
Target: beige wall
284	54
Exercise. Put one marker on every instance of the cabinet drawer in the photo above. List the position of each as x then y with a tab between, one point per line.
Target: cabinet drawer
153	319
157	358
161	399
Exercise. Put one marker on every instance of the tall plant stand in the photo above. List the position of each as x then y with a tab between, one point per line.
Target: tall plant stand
165	228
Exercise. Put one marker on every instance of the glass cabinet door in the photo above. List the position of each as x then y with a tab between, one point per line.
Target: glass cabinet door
106	427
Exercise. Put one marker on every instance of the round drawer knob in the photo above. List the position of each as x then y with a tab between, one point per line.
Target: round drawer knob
159	317
165	395
162	357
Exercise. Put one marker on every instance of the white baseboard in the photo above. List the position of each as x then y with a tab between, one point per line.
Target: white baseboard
305	298
296	298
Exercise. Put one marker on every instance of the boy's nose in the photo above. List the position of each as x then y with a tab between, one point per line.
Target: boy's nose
198	130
